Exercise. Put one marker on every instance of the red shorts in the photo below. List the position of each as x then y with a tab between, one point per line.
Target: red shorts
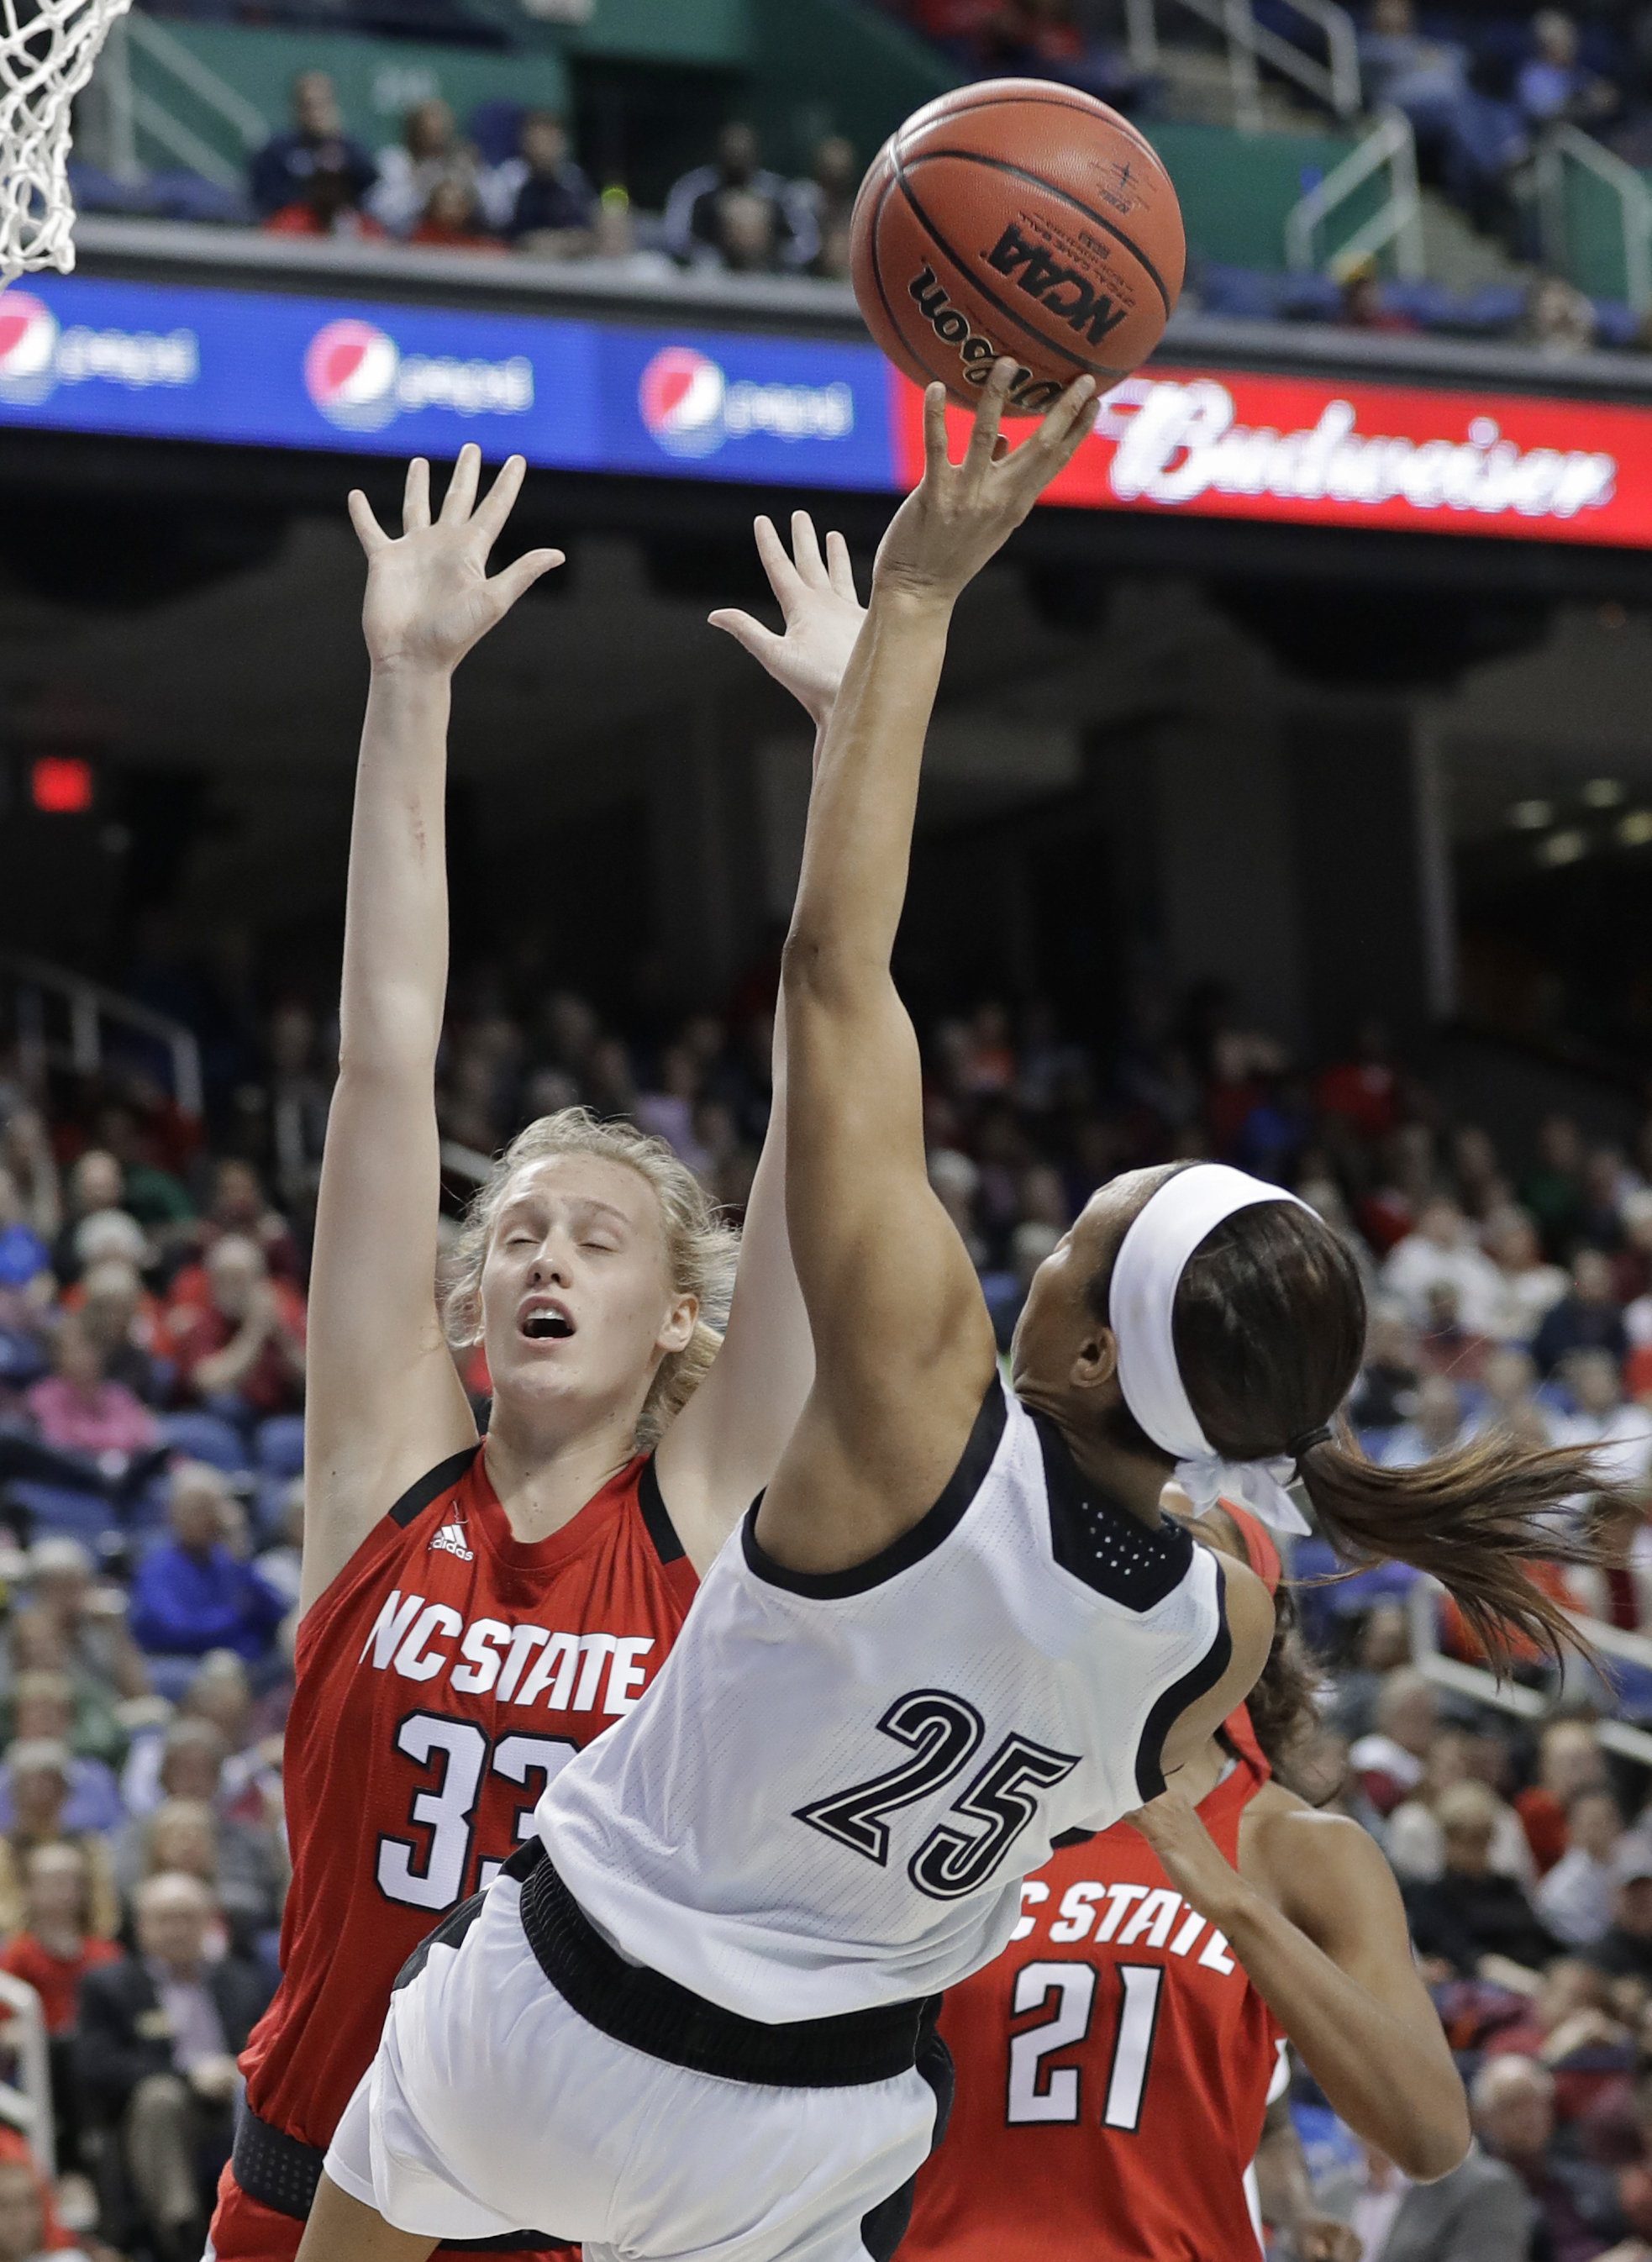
246	2230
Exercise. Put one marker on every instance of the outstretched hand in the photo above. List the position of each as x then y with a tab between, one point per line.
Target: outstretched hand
429	596
961	514
822	612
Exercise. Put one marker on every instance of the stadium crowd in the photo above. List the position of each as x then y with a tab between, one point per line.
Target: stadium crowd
151	1360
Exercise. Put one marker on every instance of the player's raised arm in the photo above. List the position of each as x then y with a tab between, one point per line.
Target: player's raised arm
384	1404
723	1447
903	1344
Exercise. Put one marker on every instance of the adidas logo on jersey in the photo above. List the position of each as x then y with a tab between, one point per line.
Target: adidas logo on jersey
451	1540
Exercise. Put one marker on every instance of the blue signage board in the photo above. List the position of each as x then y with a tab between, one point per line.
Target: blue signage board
81	354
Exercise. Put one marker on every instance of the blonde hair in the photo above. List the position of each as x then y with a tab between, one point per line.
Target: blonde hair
700	1248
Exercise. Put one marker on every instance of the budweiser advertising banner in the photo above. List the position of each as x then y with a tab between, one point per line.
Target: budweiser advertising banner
1319	453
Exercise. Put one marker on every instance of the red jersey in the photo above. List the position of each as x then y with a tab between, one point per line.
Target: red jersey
1113	2067
441	1681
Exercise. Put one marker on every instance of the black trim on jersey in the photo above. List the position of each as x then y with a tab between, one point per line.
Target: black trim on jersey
418	1496
884	2226
656	1517
1174	1701
936	1525
1071	1837
649	2012
1096	1538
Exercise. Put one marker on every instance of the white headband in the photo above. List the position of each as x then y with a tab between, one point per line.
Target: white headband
1142	1300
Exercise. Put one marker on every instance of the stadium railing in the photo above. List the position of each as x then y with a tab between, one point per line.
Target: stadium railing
1512	1696
60	1018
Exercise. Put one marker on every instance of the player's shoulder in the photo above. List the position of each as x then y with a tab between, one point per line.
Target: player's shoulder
1299	1853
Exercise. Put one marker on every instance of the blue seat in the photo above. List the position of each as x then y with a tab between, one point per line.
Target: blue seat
279	1446
59	1514
207	1437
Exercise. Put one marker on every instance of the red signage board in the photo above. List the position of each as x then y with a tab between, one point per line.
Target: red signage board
1320	451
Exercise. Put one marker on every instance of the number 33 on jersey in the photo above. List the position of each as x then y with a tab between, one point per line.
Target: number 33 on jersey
443	1678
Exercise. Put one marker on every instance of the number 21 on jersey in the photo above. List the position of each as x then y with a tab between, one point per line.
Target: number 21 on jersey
1038	2093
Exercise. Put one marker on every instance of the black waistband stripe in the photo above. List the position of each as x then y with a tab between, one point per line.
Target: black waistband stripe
650	2013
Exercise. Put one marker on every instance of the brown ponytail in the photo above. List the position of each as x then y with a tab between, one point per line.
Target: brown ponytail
1269	1329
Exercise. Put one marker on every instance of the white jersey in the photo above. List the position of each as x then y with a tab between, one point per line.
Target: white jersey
831	1791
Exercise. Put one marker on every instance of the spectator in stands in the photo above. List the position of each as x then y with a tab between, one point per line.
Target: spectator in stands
43	1708
1385	1395
122	1320
1029	1245
1557	319
1439	1423
1478	2212
539	199
281	171
27	2232
51	1954
328	202
94	1192
1507	1380
1569	1759
429	151
1624	1949
697	219
56	1945
24	1256
238	1206
829	194
1388	1762
91	1622
1553	88
1443	1249
299	1095
1468	139
1529	1287
1470	1913
1586	1318
1362	306
1574	1898
1599	1417
452	219
241	1352
237	1864
78	1408
1414	1840
190	1595
1513	2101
1553	1188
38	1779
159	2035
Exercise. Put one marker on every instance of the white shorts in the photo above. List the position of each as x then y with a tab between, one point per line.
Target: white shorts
492	2107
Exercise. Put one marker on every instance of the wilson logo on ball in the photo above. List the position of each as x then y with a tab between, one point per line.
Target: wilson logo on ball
976	352
1043	276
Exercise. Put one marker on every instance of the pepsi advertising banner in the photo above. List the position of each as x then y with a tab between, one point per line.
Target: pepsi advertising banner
83	355
238	367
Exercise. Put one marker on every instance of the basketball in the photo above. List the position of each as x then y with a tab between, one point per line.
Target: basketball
1017	217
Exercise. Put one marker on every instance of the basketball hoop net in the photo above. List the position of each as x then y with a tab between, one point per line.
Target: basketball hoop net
47	48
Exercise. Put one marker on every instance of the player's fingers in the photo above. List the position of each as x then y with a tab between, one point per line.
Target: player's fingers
369	533
514	580
805	551
984	438
1055	436
761	643
461	488
934	430
495	506
839	568
783	578
415	497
